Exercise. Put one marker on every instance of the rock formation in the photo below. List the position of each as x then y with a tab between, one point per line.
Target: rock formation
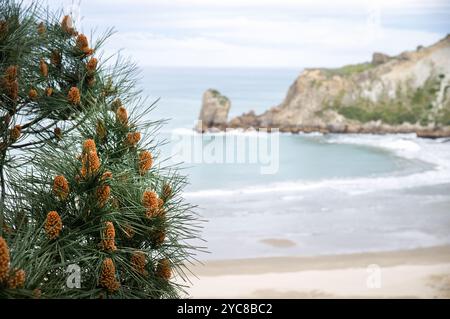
406	93
379	58
214	112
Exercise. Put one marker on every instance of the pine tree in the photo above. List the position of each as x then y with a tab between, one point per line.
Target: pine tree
95	196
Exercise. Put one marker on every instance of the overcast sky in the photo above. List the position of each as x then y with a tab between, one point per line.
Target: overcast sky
262	33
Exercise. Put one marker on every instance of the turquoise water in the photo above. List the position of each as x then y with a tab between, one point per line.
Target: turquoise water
300	157
331	194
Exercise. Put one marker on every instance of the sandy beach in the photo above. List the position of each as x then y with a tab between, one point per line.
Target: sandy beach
418	273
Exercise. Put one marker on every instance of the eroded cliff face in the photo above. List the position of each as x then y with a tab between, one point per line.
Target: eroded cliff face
405	93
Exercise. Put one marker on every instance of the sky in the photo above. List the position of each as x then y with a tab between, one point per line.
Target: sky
260	33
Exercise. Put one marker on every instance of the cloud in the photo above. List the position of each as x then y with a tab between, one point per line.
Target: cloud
264	33
153	50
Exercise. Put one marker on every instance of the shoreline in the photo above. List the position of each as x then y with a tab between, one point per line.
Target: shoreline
415	273
212	131
419	133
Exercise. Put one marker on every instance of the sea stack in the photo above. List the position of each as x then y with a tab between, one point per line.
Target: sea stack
214	111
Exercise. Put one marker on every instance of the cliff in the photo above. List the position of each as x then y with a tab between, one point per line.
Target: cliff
391	94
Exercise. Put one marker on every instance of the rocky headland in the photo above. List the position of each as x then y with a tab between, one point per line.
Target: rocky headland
406	93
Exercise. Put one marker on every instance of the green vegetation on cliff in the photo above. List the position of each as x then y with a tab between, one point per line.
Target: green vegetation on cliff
391	114
444	115
221	98
412	106
348	69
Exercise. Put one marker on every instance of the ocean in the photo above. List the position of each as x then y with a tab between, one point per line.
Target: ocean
329	194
